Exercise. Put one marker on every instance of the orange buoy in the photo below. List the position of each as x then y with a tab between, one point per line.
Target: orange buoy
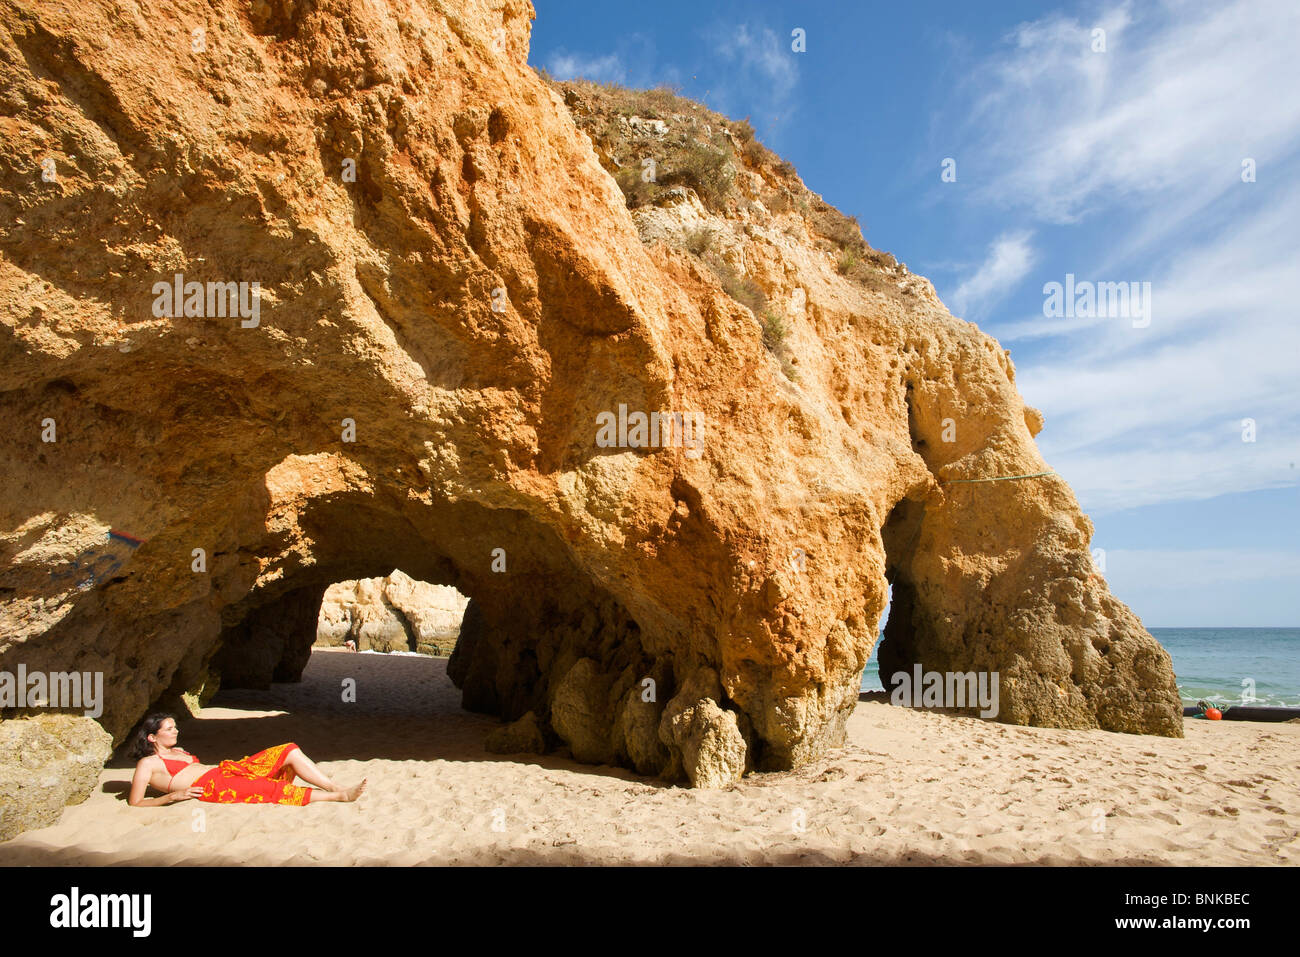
1214	714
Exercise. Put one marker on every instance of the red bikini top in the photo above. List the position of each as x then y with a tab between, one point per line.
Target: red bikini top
179	765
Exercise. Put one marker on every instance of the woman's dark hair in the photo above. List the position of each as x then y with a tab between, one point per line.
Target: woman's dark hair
141	746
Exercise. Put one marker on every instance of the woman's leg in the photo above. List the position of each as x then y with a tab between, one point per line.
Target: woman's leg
306	769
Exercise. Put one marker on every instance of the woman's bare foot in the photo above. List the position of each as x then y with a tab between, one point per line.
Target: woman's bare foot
340	794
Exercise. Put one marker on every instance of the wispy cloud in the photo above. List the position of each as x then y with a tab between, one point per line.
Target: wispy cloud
632	60
758	62
1147	138
1009	260
598	69
1146	415
1169	109
761	52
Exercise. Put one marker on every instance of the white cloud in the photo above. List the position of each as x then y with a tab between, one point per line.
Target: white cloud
597	69
1108	480
762	52
1145	415
761	63
1147	139
1167	112
1010	258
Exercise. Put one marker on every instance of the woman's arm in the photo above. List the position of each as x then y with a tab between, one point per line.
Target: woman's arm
140	784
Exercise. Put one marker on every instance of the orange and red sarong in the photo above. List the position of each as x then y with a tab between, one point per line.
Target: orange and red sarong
261	778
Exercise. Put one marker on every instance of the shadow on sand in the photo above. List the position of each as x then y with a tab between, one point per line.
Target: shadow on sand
405	709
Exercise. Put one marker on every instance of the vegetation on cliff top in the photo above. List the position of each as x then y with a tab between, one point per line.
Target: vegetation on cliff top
693	147
703	150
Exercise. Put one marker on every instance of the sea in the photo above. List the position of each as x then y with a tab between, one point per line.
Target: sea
1223	666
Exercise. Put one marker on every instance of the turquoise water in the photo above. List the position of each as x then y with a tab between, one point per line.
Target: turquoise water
1211	664
871	673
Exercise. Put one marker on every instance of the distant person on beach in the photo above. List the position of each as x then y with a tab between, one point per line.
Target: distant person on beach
263	778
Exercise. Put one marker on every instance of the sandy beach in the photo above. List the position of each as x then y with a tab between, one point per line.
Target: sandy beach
909	787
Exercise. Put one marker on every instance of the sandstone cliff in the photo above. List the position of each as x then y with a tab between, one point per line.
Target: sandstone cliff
395	613
451	296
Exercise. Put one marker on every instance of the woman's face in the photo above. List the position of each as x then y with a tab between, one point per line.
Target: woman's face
166	735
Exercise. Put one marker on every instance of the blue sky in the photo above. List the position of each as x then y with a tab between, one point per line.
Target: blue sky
1114	157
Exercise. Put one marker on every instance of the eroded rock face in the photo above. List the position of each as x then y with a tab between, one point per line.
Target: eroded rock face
47	762
450	291
707	739
394	613
272	643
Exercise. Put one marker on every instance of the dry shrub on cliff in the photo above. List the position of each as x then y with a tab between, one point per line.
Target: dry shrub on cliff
779	201
855	259
774	330
877	274
704	166
636	191
699	240
842	231
882	260
755	153
661	103
740	288
752	297
749	294
873	279
695	152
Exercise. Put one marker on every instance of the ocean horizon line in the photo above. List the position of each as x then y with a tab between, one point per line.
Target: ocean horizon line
1223	627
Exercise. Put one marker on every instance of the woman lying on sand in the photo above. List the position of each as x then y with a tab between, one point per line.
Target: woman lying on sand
264	778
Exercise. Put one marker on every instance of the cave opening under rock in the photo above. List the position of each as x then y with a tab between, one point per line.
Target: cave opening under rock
273	641
900	644
393	613
394	587
532	631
